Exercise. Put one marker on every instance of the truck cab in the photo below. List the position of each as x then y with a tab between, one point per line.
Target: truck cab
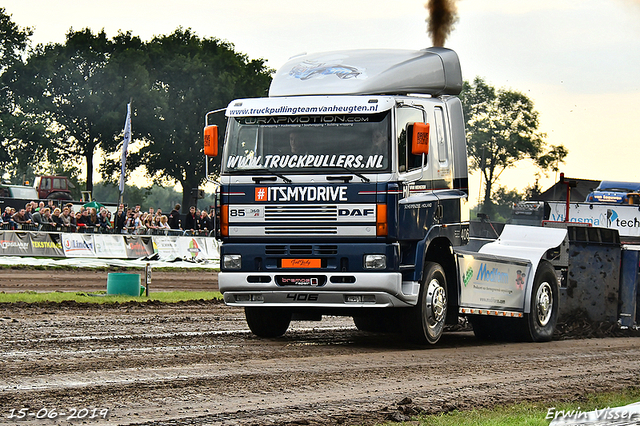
53	187
346	192
613	192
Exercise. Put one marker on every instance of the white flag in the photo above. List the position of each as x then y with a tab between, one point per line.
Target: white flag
125	146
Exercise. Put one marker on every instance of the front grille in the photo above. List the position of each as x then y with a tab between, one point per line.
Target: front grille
301	230
301	214
301	250
327	250
275	250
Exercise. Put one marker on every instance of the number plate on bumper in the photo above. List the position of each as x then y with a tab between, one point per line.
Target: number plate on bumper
301	280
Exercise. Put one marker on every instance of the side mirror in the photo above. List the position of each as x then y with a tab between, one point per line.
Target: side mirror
211	141
420	139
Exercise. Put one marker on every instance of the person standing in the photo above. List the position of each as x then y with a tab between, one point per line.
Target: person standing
206	223
21	219
55	216
104	223
120	219
7	217
191	222
67	222
174	217
28	211
41	218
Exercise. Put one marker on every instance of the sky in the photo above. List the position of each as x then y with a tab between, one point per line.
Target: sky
577	60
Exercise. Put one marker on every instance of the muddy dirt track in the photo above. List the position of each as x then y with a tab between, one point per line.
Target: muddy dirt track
88	280
197	364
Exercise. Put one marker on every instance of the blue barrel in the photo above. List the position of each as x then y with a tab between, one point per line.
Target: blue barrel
123	284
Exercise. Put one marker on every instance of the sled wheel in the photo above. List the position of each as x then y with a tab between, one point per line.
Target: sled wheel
543	316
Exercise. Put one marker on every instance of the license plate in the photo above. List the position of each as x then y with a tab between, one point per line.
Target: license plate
301	263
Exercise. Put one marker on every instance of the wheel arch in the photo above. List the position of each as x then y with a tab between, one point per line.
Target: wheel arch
440	250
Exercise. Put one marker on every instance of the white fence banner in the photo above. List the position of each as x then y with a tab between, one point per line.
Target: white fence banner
78	245
109	246
166	247
193	248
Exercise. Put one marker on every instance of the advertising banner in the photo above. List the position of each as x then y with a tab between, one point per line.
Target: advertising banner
110	246
193	248
106	246
14	243
46	244
624	218
78	245
491	284
138	246
167	247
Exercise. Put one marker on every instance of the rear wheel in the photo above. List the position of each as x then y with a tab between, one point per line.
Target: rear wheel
267	322
59	196
425	322
483	327
540	322
493	328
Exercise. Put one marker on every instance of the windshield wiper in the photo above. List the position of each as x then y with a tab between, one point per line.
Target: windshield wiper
348	178
258	179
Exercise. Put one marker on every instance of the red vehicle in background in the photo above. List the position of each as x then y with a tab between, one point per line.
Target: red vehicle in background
53	187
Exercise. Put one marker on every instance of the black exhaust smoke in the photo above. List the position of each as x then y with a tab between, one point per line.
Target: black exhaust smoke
442	17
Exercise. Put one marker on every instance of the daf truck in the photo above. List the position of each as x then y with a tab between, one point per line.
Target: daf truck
345	192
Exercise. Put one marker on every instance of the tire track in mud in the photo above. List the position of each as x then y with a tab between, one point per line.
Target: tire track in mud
182	365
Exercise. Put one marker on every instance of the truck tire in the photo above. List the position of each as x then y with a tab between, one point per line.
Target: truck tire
425	322
484	328
267	322
369	323
59	196
493	328
540	323
378	322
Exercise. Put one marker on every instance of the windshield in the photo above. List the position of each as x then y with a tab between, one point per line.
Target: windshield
299	144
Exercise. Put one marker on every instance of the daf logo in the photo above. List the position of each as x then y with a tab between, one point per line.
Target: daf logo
356	212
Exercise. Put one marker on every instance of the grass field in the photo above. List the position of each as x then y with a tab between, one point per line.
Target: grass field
531	414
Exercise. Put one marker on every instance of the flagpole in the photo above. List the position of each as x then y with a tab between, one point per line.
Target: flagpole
125	147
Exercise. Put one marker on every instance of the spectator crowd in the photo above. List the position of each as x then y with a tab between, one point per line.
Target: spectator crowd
40	217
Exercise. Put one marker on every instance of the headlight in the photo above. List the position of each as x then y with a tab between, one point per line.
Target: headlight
232	261
375	261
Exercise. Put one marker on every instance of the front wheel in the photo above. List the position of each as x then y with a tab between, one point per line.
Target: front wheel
267	322
543	316
425	322
379	321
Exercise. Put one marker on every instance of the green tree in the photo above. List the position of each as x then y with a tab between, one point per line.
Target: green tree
13	40
190	76
108	192
502	129
21	137
79	90
503	199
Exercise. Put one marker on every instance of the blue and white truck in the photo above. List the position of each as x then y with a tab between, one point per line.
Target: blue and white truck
615	192
344	192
